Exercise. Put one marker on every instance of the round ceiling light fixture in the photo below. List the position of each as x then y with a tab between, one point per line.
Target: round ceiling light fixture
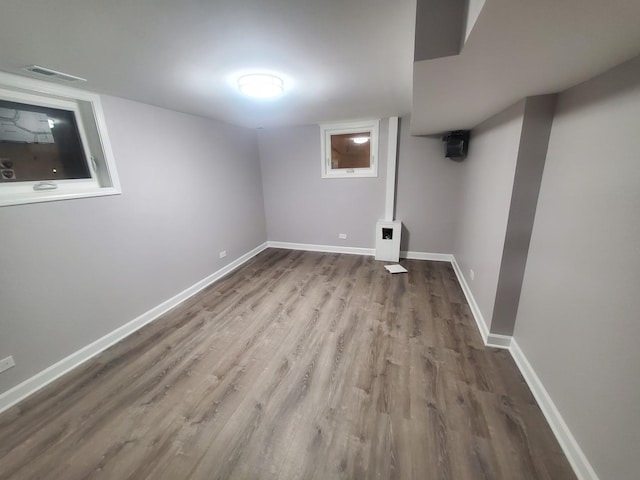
360	140
261	85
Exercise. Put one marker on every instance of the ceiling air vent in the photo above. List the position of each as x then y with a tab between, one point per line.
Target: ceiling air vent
48	73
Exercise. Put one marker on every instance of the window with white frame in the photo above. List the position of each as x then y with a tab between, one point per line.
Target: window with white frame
350	149
53	143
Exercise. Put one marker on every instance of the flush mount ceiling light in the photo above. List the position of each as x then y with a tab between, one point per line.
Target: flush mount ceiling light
261	85
360	140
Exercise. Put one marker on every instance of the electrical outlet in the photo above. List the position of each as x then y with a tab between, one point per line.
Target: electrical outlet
342	235
7	363
472	274
223	253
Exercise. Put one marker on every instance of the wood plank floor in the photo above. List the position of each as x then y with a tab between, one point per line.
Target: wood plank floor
299	365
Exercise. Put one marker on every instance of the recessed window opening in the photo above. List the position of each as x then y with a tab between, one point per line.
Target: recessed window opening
53	143
350	149
40	143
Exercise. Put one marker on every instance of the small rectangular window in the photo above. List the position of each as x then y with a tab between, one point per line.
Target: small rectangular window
40	143
53	143
350	149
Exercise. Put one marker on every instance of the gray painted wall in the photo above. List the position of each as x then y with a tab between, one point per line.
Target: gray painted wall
74	270
487	182
578	320
428	193
532	151
303	207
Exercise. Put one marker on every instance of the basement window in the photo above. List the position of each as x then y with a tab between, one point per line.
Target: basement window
53	143
350	149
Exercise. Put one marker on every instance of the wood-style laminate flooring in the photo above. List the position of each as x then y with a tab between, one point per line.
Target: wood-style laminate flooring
299	365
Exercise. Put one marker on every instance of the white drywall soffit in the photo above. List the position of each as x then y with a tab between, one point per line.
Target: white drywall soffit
338	60
520	49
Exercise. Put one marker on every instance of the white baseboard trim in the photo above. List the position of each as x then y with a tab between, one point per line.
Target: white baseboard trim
308	247
48	375
498	341
410	255
568	443
434	257
489	339
571	449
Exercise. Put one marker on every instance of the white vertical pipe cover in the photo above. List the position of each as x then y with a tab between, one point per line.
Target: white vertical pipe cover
392	160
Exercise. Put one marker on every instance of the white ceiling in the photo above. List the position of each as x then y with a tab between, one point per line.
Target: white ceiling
519	48
341	59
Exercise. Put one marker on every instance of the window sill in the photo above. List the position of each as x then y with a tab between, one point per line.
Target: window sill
54	195
365	173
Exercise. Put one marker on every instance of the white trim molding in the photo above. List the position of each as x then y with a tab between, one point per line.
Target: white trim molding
48	375
409	255
489	339
569	445
581	466
496	340
308	247
434	257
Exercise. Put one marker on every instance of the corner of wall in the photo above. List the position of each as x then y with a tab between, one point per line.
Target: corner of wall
568	443
530	161
489	339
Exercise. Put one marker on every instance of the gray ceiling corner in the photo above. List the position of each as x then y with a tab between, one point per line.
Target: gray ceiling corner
520	49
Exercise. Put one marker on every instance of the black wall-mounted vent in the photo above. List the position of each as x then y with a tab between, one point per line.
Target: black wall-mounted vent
456	144
47	72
